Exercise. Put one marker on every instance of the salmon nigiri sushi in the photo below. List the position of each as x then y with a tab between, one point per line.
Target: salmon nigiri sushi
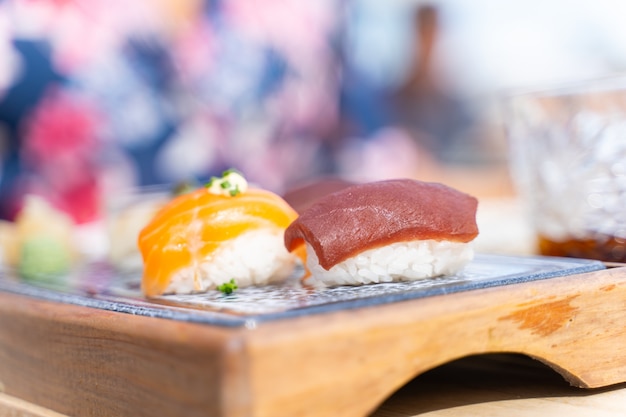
223	233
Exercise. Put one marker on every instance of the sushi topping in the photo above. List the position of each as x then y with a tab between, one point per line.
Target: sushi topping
230	184
228	287
368	216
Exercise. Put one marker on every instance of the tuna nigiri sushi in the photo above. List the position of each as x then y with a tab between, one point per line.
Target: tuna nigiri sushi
215	235
394	230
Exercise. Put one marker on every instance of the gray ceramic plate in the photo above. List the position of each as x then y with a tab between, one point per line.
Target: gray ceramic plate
97	286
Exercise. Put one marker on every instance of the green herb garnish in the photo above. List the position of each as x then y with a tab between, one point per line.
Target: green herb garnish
228	287
232	183
233	192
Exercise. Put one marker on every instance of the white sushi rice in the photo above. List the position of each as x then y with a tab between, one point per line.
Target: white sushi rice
253	258
403	261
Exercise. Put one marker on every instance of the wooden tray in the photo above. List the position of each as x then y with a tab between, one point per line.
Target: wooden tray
100	350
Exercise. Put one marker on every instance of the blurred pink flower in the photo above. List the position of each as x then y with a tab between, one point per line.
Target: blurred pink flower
61	124
60	147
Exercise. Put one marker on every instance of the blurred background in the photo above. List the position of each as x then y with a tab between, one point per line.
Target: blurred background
101	96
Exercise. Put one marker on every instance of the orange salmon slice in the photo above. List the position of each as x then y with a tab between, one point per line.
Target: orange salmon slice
186	231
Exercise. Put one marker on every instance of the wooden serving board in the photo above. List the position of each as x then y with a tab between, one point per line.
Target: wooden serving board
96	348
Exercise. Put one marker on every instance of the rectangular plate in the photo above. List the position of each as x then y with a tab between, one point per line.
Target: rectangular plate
98	286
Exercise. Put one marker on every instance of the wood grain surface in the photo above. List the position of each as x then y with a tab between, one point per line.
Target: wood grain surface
14	407
86	362
486	385
500	385
82	361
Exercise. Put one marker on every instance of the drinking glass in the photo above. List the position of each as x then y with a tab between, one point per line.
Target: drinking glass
568	161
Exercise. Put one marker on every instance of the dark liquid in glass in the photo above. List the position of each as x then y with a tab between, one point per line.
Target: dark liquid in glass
603	248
